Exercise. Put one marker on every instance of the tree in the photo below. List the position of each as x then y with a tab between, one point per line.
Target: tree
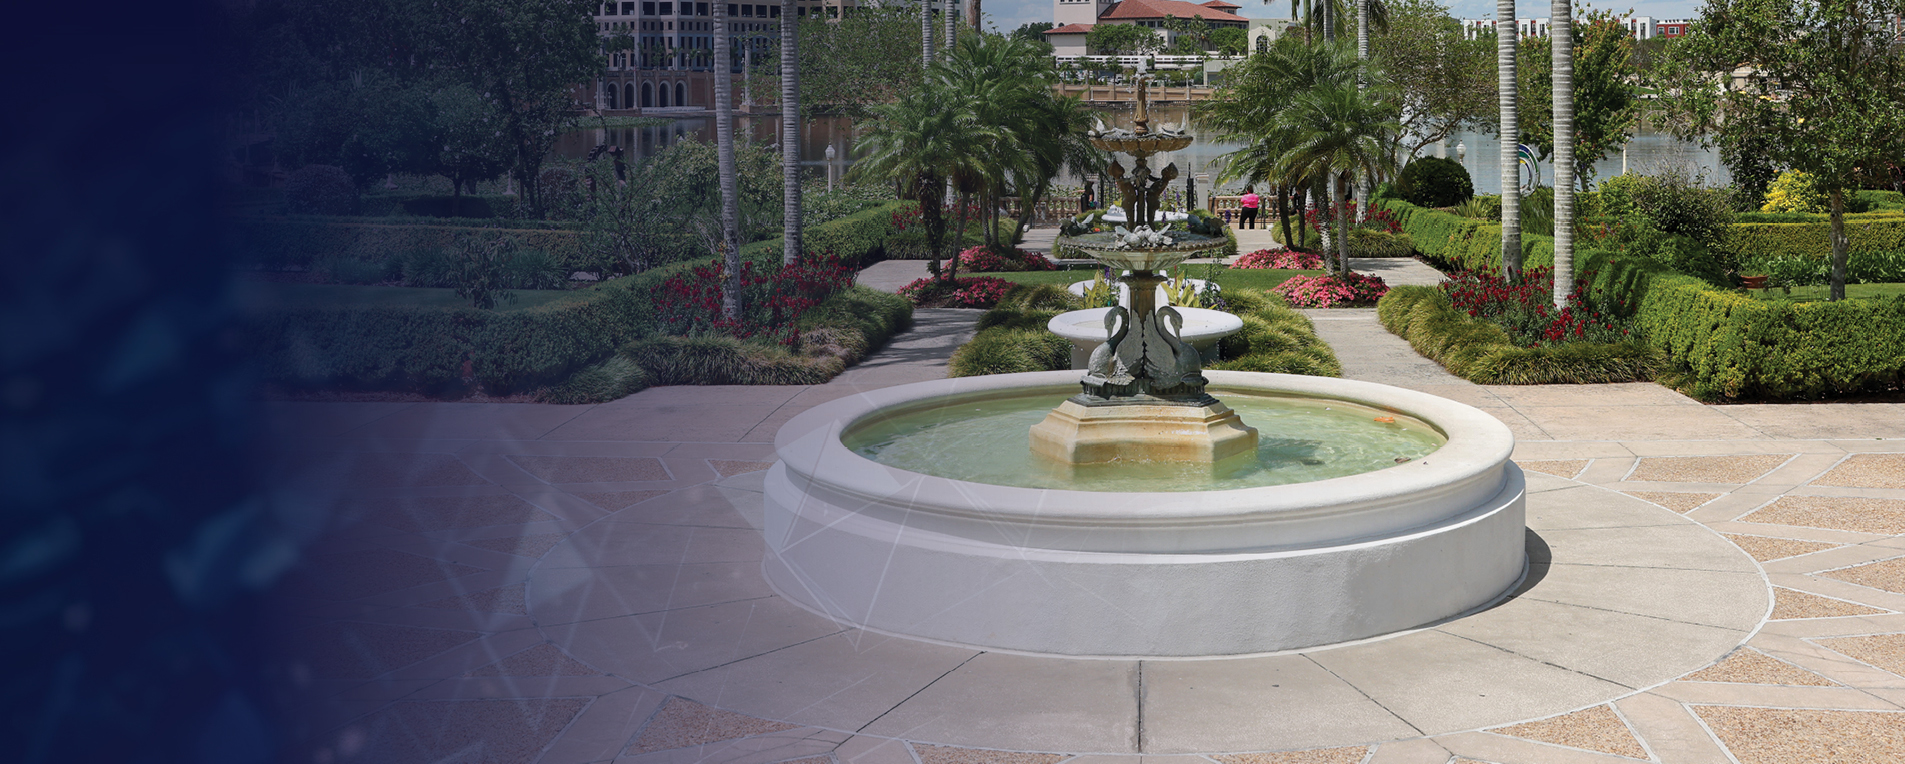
1508	128
724	149
1229	41
1606	108
472	147
790	134
1122	39
1441	76
1190	36
867	57
1340	132
1824	90
1033	31
918	143
1562	31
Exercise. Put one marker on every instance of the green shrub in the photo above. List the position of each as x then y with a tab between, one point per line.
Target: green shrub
1880	200
320	189
1434	182
616	377
723	360
1673	202
1464	242
1486	207
302	241
1041	297
1757	241
1861	268
1364	242
1481	352
1794	191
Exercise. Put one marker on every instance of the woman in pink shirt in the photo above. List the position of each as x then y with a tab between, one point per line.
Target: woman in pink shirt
1248	218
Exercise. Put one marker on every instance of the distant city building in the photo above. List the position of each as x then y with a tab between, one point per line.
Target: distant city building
1673	27
669	59
1075	18
1638	27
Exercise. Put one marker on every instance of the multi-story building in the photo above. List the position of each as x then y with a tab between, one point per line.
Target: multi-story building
1640	27
660	53
1075	18
1673	27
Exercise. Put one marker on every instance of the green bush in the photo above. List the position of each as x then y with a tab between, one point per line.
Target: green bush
302	241
1364	242
616	377
320	189
1481	352
1434	182
1471	243
723	360
1861	268
1757	241
1673	202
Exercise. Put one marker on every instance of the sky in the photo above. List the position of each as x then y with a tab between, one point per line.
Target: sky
1006	15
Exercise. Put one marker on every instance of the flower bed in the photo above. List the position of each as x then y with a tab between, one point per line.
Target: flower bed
771	303
1288	260
971	292
1526	310
1332	292
986	260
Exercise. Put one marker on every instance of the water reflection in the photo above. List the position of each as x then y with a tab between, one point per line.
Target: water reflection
1647	150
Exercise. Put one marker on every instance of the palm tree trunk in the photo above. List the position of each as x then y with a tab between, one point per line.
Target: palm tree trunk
973	16
724	153
1283	216
925	33
1506	91
1342	225
1839	246
959	234
951	30
790	135
1561	33
1365	182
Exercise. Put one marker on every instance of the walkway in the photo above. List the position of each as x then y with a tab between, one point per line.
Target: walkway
569	584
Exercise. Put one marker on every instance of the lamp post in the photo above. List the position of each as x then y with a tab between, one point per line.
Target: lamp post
830	155
1461	153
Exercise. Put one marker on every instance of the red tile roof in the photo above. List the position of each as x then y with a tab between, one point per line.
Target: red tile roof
1070	29
1220	5
1158	9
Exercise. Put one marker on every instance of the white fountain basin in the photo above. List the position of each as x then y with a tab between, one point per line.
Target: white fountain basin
1086	329
1115	214
1124	291
1085	573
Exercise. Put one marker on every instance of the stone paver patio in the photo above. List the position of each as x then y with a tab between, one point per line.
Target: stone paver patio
534	583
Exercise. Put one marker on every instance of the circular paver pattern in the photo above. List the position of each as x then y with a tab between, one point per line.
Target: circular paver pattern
1621	595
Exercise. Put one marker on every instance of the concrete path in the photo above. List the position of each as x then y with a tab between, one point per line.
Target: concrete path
890	275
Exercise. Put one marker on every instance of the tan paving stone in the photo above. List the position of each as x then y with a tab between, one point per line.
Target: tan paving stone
1706	469
532	545
1886	651
1789	604
940	754
503	731
1766	548
1794	736
541	660
732	468
682	723
441	513
505	599
615	500
358	471
1593	729
1674	500
1887	574
1883	516
591	469
356	650
1348	755
1867	471
1566	468
356	575
1749	666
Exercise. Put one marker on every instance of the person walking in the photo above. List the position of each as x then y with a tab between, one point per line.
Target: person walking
1248	217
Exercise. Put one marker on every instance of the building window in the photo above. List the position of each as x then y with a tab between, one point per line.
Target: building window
774	11
628	9
648	9
663	103
648	94
611	96
628	100
667	9
681	94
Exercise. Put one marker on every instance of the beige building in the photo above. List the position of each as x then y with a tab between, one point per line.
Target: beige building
1075	18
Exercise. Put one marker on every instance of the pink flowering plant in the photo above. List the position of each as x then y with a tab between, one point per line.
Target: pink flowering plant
1279	259
1332	291
1526	310
983	259
968	292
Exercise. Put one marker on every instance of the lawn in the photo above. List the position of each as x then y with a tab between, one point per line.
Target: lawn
271	295
1225	277
1818	293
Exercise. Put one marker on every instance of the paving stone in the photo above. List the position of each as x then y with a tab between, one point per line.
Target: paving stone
1766	548
1347	755
1884	516
357	575
1566	468
591	469
731	468
682	723
504	599
541	660
1886	651
439	513
532	546
1867	471
1749	666
1706	469
1594	729
615	500
940	754
1674	500
495	731
1887	574
1790	603
1787	736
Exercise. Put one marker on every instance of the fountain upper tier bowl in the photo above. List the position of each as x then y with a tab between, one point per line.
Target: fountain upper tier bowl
1135	573
1106	248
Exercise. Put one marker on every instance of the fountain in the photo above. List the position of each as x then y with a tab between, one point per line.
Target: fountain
1140	516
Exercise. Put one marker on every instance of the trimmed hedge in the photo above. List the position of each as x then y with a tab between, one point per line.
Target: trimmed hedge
301	241
1472	243
1480	352
1864	233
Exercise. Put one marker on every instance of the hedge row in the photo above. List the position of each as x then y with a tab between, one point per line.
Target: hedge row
441	349
1480	352
1471	243
1013	337
301	241
1757	241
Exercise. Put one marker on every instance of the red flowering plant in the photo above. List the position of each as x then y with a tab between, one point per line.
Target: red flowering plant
1279	259
1324	218
982	259
1332	291
968	292
771	305
1526	310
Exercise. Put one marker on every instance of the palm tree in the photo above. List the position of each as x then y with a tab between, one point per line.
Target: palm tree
790	135
919	142
925	33
724	152
1561	34
1506	36
1338	131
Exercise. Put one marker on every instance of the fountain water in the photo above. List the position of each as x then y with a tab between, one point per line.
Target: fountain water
1144	529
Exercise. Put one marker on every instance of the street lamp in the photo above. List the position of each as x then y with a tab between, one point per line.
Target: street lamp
830	167
1461	152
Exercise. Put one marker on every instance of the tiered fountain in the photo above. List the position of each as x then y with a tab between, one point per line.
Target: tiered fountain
1142	516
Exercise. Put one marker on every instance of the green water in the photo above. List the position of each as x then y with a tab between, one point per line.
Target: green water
1299	440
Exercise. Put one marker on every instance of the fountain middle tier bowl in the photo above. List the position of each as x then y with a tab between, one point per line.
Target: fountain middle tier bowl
1104	248
1136	571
